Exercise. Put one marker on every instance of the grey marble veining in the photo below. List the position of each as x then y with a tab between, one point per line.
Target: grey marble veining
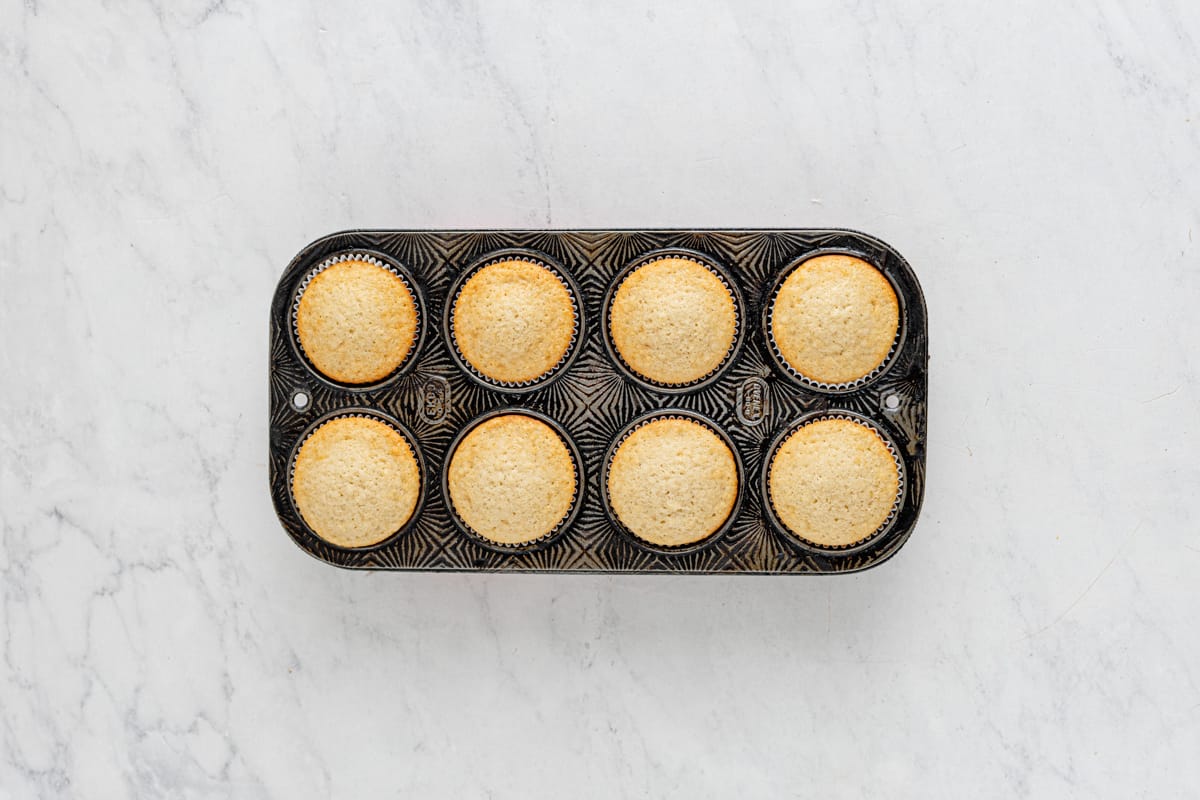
1038	164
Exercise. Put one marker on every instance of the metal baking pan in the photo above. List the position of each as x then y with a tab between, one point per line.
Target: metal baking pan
752	402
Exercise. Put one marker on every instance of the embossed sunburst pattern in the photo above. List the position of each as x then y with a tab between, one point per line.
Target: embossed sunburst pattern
593	400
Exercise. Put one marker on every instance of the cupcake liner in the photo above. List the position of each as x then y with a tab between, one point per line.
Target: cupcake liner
730	287
379	261
792	430
642	422
576	330
576	496
801	378
375	416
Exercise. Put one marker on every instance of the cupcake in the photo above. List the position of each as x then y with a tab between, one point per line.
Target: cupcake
834	319
672	482
357	320
356	481
673	320
833	482
513	321
512	479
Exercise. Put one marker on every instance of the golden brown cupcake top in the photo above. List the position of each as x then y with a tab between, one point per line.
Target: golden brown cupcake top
833	482
356	481
357	321
513	321
835	319
672	482
512	479
673	321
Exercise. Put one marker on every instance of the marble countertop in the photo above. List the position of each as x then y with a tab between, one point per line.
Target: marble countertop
1039	165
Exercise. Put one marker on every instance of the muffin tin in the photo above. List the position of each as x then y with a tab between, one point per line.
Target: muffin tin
592	399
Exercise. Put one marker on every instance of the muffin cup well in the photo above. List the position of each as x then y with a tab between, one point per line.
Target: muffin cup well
576	500
814	547
620	439
577	333
391	422
798	377
384	262
709	263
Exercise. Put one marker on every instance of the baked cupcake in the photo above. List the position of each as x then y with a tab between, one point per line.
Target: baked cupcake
357	320
672	482
833	482
512	480
514	321
834	319
673	320
356	481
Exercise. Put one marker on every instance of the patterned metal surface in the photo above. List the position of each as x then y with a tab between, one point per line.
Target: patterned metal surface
752	401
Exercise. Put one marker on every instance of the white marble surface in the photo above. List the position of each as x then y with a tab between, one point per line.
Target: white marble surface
1039	164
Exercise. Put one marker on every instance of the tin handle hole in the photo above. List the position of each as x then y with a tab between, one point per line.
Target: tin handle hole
300	400
891	402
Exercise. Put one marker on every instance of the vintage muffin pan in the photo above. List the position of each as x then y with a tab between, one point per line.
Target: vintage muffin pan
709	401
